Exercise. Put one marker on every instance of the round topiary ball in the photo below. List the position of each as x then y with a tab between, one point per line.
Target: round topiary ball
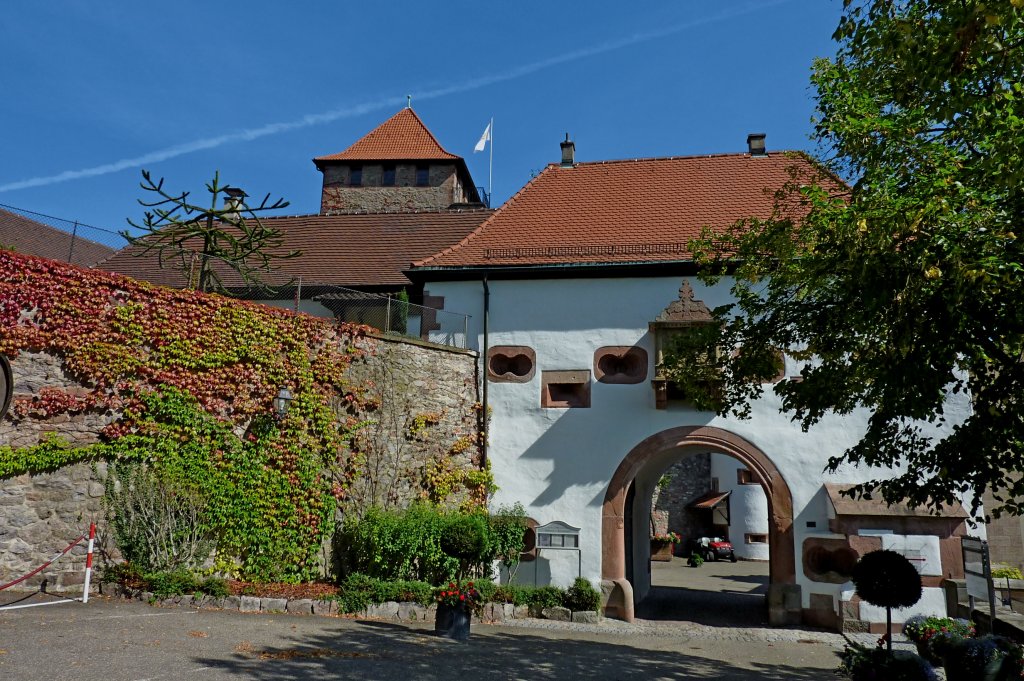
887	579
465	537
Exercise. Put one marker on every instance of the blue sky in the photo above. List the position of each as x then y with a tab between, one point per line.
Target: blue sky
92	92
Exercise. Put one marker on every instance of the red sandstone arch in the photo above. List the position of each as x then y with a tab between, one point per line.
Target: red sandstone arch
782	557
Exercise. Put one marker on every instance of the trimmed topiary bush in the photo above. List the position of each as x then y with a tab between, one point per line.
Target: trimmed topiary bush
888	580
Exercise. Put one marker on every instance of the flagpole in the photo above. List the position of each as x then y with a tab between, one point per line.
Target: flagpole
490	169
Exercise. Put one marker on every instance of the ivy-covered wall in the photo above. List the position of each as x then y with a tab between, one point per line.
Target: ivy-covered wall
106	368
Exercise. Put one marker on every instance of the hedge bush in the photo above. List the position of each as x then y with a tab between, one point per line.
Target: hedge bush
426	543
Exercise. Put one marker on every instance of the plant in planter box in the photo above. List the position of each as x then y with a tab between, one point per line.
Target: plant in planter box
877	664
669	538
932	635
456	604
988	658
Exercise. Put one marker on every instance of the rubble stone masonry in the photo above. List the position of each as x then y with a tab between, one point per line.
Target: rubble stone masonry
41	514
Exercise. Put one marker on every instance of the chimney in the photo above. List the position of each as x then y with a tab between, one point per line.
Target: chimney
755	144
568	152
233	201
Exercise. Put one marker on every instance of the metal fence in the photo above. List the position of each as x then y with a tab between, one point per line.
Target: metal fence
80	244
56	238
386	312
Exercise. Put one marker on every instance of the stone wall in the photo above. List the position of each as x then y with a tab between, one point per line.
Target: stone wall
41	514
444	189
690	478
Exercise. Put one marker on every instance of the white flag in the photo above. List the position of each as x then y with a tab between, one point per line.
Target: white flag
484	139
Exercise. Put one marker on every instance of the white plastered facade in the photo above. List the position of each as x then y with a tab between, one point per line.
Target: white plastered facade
558	462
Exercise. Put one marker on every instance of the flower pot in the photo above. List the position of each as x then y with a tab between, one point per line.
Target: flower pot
452	621
661	550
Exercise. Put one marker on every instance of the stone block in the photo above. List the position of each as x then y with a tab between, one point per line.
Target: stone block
384	611
325	608
300	606
249	604
586	617
411	612
558	614
273	604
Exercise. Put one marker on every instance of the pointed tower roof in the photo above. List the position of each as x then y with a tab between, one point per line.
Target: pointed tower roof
403	137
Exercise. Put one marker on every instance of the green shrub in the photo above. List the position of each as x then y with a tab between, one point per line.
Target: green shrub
695	560
582	596
157	523
507	527
394	545
214	586
545	597
1006	572
171	583
425	543
359	591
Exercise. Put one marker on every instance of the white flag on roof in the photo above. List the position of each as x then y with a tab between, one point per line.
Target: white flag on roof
484	139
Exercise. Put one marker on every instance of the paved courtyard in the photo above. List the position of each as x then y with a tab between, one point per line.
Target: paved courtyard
131	641
717	594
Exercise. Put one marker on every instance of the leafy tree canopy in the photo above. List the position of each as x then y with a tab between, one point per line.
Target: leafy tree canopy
904	281
205	242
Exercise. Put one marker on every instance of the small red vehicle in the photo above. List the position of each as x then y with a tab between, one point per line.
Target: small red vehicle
714	548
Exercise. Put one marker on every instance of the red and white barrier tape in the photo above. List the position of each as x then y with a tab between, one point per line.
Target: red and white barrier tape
91	535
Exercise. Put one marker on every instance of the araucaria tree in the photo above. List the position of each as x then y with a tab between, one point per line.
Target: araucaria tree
902	284
207	242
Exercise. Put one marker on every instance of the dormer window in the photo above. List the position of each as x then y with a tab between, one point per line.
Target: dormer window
422	176
388	175
355	176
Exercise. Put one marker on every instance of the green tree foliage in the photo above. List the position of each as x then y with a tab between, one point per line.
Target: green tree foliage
903	283
205	242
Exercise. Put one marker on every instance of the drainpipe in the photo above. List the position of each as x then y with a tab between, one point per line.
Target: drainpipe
487	313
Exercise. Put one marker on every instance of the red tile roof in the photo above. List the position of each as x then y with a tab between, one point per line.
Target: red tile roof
403	137
351	250
643	210
24	235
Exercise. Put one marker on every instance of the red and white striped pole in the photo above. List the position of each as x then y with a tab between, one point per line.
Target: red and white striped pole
88	563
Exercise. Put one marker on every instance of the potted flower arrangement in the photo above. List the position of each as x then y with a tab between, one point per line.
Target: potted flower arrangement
663	545
933	635
456	604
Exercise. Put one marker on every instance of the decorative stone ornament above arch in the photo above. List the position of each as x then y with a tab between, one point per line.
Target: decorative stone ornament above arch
6	385
680	316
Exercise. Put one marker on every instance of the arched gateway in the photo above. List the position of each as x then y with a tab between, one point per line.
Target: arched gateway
783	589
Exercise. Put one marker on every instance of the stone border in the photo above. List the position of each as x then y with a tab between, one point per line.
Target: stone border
391	610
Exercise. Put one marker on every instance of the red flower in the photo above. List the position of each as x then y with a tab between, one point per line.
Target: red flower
462	597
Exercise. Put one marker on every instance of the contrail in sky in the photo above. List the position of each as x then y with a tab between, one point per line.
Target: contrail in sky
309	120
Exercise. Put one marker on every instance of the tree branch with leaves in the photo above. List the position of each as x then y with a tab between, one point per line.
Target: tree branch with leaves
901	289
211	242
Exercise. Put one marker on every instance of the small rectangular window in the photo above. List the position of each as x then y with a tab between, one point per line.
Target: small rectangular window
745	477
388	176
422	176
565	389
755	538
355	176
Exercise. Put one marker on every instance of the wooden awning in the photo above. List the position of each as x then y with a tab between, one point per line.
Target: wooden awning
710	500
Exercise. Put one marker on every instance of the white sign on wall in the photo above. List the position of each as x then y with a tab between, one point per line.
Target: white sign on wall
922	550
